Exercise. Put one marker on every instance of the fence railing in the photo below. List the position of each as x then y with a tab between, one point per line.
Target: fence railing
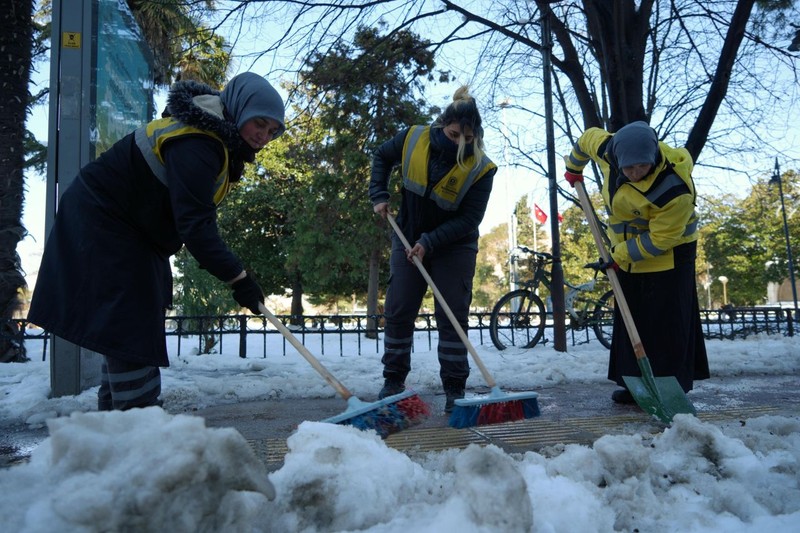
742	322
332	330
195	333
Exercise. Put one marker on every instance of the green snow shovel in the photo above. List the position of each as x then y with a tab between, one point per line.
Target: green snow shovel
662	397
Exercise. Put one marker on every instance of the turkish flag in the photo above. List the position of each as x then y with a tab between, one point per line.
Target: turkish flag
540	215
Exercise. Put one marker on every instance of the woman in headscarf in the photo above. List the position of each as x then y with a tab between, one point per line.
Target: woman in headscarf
447	179
105	281
652	224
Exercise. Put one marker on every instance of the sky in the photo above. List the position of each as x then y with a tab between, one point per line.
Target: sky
160	469
511	182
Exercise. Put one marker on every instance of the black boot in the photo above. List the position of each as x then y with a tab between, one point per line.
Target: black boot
390	388
622	396
453	390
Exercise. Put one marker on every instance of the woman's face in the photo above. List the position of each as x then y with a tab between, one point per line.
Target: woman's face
453	132
258	132
637	172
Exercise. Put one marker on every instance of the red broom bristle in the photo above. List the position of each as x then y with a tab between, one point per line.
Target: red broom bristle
413	408
392	417
495	413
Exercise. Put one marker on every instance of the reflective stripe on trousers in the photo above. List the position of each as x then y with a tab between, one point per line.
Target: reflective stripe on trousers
452	272
125	385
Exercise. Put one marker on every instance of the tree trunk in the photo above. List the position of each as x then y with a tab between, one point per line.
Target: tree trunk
372	294
621	30
16	43
297	302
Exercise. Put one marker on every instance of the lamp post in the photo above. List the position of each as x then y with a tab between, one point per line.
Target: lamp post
512	223
776	179
707	287
724	282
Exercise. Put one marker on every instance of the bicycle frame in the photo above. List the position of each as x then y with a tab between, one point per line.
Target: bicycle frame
520	316
541	277
572	296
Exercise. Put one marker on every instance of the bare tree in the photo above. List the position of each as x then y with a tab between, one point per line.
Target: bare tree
716	76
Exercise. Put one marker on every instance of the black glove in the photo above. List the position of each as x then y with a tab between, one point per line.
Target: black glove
248	294
604	265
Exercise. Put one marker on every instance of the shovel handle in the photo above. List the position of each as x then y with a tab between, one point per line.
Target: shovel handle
619	296
463	336
324	372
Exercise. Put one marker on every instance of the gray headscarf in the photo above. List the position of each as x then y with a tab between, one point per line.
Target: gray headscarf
249	95
634	144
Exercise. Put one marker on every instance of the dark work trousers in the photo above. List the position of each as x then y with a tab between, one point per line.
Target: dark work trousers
125	385
452	271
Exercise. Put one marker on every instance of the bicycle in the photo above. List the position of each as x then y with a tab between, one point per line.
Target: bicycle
519	317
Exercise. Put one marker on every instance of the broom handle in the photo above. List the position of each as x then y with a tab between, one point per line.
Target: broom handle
324	372
619	296
486	375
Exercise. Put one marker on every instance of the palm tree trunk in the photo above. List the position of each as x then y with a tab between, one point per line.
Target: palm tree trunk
16	42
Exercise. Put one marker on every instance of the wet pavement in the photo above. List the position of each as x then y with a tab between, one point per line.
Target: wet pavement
570	413
17	443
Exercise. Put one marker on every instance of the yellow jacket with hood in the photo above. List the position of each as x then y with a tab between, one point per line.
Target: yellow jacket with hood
649	218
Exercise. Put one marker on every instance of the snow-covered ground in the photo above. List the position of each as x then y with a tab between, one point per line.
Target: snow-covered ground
149	470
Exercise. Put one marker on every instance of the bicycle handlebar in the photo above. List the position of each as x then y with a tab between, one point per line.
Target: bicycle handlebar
546	257
596	266
543	255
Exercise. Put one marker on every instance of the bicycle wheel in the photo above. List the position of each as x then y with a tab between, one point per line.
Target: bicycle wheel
518	319
603	318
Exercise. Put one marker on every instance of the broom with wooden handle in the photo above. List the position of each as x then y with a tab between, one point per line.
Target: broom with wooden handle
497	406
387	416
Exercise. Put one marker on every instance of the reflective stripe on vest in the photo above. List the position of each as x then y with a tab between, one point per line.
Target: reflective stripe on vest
151	138
667	180
451	189
643	226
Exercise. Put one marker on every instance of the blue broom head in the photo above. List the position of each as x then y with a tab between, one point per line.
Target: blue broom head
495	408
386	416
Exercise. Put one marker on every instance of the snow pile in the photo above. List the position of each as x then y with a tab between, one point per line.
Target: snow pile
138	470
146	470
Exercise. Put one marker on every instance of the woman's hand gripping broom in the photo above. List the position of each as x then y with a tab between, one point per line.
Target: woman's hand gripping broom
497	406
387	416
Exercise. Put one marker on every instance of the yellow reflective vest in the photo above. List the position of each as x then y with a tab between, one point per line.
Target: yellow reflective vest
151	139
450	190
649	218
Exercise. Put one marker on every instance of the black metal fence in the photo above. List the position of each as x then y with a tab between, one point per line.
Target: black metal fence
331	330
742	322
196	333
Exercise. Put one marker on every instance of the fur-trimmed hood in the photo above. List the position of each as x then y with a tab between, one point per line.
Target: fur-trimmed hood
198	105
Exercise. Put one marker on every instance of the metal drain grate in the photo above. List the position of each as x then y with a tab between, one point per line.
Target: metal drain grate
525	435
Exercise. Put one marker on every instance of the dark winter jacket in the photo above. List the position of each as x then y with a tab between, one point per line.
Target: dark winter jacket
420	218
105	279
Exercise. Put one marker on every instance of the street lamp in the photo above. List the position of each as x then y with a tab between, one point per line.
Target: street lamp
776	179
512	223
707	287
724	282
